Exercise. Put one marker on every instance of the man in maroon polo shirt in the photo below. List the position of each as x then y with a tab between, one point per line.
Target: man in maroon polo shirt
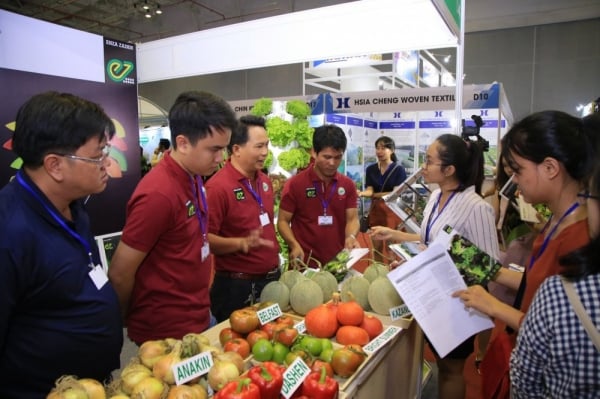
241	230
161	268
318	213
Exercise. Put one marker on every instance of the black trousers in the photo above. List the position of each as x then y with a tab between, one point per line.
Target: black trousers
228	294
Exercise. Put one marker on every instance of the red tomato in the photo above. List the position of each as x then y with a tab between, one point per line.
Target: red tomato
244	320
319	364
285	335
269	328
238	345
227	334
286	319
345	361
255	336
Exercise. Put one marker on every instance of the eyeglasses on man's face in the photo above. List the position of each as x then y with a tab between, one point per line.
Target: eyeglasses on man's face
587	195
98	161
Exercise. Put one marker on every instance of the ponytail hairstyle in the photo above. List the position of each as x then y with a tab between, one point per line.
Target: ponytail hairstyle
467	158
388	143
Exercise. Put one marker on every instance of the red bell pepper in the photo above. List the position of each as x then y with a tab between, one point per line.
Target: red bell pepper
320	386
239	389
269	378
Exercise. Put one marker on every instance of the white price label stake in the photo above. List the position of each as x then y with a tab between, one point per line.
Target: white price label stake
192	367
382	339
269	313
293	377
399	312
300	326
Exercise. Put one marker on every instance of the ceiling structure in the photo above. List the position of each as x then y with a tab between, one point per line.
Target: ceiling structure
126	20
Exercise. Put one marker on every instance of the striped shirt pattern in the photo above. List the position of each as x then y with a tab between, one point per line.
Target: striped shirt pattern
467	213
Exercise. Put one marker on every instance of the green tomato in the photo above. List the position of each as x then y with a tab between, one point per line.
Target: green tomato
312	345
280	352
326	343
326	355
262	350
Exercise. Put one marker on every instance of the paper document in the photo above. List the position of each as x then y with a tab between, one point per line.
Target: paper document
425	284
527	212
355	255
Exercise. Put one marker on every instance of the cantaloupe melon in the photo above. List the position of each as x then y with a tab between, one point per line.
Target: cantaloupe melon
327	282
356	288
291	277
383	296
375	270
305	295
276	291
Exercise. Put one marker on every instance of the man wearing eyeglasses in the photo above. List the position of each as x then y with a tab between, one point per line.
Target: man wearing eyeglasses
58	312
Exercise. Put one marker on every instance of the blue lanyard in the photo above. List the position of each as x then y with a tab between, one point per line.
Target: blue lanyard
57	218
325	201
255	194
201	213
430	222
550	234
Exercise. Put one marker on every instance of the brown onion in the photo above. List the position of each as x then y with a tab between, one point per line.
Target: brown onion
132	375
149	388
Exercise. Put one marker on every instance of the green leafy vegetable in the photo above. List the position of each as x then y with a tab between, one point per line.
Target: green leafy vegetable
280	131
293	159
303	133
262	107
298	109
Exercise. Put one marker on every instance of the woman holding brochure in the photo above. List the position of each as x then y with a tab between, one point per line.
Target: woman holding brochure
456	166
551	156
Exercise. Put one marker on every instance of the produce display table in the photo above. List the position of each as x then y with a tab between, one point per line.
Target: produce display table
394	371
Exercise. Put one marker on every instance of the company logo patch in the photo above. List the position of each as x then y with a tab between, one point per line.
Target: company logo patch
311	192
265	187
118	70
239	194
191	209
341	191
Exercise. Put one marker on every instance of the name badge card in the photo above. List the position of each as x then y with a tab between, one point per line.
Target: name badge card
264	219
205	251
325	220
269	313
98	276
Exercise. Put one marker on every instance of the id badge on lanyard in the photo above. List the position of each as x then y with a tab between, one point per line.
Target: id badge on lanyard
325	220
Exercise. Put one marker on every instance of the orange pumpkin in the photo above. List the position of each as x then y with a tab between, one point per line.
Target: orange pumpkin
372	325
347	335
321	321
350	313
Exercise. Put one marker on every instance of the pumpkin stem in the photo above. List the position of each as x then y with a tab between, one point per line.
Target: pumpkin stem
336	298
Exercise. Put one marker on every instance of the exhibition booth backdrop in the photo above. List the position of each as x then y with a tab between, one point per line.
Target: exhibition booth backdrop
37	56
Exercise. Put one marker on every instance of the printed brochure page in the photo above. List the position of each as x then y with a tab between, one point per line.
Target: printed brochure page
426	283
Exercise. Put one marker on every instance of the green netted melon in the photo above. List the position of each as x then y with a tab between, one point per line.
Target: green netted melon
327	282
276	291
305	295
356	288
375	270
291	277
383	296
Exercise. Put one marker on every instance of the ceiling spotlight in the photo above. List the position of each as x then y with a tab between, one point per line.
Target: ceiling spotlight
158	10
148	15
146	6
447	59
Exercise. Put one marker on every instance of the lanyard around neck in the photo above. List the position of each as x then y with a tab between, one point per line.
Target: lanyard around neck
431	222
201	213
255	194
550	234
56	217
325	200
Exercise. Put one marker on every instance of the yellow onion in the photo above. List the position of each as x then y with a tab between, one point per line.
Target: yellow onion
151	351
162	369
132	374
221	373
93	388
182	392
232	357
201	392
119	396
149	388
67	387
